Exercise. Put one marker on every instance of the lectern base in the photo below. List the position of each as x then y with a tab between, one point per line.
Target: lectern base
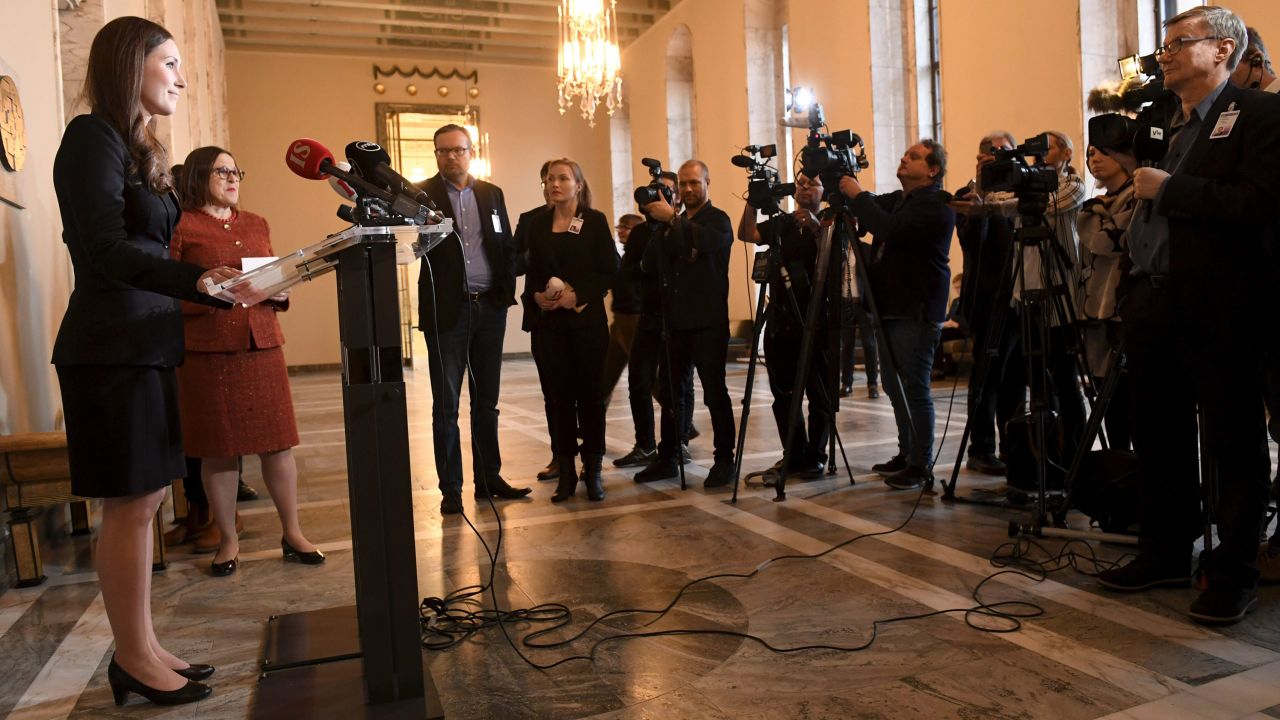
312	668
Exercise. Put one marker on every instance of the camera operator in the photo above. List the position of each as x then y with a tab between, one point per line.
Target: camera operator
1255	71
1192	313
647	346
693	263
909	274
784	330
986	239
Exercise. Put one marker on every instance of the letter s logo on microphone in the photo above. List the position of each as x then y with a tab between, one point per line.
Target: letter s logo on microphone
298	154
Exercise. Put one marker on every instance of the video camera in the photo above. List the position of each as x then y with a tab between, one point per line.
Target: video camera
763	189
824	157
1010	172
650	193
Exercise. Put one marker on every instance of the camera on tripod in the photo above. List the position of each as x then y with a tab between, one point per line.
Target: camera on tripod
650	193
1010	172
763	189
826	157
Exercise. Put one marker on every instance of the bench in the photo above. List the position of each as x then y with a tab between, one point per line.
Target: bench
34	473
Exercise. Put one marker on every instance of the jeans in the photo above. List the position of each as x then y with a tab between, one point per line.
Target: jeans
910	353
477	339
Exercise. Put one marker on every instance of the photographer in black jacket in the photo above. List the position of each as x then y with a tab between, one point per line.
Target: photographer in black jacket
909	279
692	261
784	330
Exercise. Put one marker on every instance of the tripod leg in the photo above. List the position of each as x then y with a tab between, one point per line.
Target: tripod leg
756	334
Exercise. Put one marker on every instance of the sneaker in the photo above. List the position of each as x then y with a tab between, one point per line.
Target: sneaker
1223	605
660	469
909	478
1147	571
897	463
721	474
987	464
637	456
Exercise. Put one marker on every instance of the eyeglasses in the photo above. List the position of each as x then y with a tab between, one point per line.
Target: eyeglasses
454	151
1175	47
228	174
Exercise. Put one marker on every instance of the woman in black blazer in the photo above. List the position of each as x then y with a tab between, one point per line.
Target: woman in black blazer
121	336
572	261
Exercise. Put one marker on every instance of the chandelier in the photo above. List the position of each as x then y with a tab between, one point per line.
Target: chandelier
590	63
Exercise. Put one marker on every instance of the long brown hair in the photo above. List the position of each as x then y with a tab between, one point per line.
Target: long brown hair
584	193
192	185
113	88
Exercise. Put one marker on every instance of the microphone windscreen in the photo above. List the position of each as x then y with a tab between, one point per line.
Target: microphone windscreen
742	161
340	186
364	157
1150	144
306	157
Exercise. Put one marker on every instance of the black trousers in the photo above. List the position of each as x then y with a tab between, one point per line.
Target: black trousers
704	349
647	356
998	390
574	359
538	348
1180	358
855	321
782	350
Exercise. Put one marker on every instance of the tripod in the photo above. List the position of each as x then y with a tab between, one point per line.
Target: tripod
1042	305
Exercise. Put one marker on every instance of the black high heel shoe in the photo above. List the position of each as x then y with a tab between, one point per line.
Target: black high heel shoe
196	672
292	554
223	569
122	683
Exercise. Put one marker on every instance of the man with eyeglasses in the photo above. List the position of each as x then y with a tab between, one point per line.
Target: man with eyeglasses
466	285
1195	316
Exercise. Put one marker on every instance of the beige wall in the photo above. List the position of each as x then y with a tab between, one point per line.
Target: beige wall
1263	15
275	99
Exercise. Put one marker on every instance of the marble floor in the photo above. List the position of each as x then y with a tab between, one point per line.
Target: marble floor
1089	655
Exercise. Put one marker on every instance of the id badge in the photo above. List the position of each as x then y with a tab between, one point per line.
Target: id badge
1226	121
575	225
497	222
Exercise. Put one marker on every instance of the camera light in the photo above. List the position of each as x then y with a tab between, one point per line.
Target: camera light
801	99
1130	67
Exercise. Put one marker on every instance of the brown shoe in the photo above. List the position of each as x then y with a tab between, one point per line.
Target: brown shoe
193	526
211	538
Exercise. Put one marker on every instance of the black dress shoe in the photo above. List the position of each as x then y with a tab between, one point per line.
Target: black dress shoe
451	504
567	484
897	463
244	492
846	389
500	490
873	391
1148	570
223	569
807	469
1223	605
292	554
122	683
551	471
196	672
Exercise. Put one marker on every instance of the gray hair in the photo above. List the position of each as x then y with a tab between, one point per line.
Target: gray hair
985	145
1222	24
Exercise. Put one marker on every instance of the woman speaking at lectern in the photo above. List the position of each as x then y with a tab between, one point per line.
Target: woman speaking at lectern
121	336
234	386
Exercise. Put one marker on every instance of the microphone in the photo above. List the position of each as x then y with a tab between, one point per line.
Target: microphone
342	187
364	157
1149	148
743	161
309	159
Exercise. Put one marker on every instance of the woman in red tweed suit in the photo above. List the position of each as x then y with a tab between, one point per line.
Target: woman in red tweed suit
233	387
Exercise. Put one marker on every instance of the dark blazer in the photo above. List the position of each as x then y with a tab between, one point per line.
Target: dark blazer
1221	206
521	262
443	302
123	309
910	275
692	260
586	261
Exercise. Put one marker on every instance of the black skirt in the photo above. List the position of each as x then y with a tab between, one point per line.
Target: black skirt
124	436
